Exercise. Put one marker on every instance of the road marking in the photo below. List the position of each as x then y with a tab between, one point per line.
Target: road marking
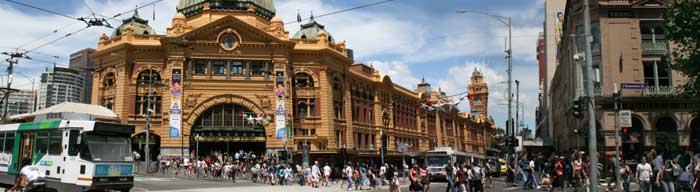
139	189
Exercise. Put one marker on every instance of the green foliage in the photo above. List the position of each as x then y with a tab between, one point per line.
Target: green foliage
682	21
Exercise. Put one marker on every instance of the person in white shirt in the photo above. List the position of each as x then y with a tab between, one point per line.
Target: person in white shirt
27	174
315	174
327	174
349	172
643	175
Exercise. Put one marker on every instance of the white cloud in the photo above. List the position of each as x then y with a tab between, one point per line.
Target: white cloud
397	71
368	33
31	28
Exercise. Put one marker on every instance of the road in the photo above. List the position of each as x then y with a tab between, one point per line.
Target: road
179	184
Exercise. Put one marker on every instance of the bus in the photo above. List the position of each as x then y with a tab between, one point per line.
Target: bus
437	160
74	155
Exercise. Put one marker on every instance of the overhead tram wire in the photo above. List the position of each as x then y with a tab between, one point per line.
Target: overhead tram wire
344	10
89	22
42	9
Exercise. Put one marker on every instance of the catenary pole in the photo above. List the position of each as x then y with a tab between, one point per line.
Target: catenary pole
592	151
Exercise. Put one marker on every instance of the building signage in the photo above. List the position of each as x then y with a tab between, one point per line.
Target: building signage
625	118
632	86
175	103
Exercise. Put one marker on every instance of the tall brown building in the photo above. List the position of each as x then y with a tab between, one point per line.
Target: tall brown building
227	76
628	49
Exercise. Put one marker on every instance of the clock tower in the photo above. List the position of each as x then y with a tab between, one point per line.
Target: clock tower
478	95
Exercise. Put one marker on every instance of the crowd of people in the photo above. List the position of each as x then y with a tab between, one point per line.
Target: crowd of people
465	177
267	169
652	172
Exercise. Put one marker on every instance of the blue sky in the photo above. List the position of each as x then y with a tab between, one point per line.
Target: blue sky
407	39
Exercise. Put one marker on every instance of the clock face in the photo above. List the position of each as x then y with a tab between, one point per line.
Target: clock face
228	42
477	100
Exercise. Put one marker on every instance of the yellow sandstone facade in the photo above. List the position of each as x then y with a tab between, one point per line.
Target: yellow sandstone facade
230	62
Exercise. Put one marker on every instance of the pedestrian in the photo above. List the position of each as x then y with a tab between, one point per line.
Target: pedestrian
425	177
316	174
685	179
625	176
449	175
643	175
327	174
349	172
665	177
477	178
461	178
490	171
414	177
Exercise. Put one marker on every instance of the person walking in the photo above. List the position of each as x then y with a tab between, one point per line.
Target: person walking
665	177
450	176
349	173
490	171
326	175
477	178
425	177
643	175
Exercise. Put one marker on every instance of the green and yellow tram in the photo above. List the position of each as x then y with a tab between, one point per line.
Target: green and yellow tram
74	155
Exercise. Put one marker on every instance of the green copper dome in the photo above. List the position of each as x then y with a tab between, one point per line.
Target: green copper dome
310	30
263	8
141	26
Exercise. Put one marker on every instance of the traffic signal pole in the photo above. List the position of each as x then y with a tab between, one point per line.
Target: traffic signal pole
616	98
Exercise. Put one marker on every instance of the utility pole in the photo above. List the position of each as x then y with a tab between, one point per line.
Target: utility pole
517	106
14	59
6	100
592	151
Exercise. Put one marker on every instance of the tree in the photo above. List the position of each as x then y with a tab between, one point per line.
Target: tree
498	139
682	21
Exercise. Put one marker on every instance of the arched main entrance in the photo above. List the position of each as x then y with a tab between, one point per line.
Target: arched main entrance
138	144
227	128
666	137
695	134
633	140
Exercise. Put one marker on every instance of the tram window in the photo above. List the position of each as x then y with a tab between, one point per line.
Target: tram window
42	142
9	142
73	146
55	147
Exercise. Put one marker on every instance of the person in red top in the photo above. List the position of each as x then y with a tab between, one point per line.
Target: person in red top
560	173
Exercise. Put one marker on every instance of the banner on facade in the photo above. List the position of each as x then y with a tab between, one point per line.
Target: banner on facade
280	123
175	103
280	113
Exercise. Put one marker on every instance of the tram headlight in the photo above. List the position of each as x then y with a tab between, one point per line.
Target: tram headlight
103	179
123	179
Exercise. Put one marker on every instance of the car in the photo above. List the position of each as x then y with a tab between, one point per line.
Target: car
504	167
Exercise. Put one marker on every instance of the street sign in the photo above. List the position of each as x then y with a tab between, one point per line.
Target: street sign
625	118
632	86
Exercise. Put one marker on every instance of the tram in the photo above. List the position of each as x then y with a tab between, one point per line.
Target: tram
437	160
74	155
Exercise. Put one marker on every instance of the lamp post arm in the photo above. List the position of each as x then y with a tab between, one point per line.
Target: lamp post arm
502	19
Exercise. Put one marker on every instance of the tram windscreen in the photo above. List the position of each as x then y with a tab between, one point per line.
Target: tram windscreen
107	148
437	161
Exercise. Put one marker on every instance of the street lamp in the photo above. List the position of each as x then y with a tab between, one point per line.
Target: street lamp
506	21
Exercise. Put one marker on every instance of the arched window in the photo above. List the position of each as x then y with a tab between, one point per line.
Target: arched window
303	80
695	134
666	136
108	80
147	76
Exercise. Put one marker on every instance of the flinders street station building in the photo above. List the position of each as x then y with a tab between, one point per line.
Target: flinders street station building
228	76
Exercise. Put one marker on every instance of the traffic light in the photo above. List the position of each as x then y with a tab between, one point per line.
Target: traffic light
625	134
578	108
